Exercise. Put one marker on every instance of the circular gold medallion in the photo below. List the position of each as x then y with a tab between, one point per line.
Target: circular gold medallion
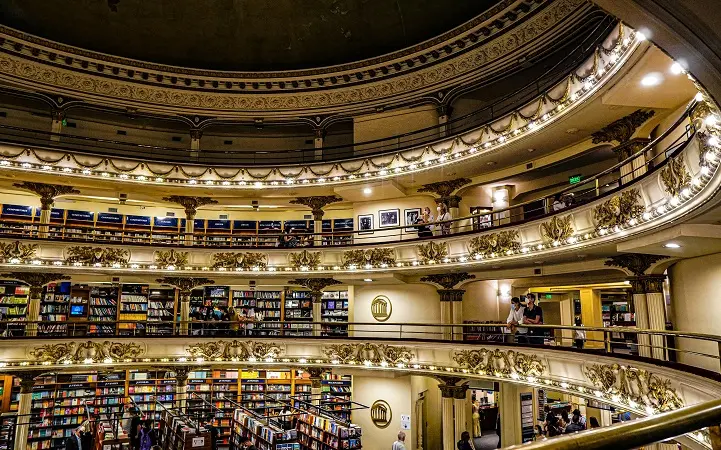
381	308
381	414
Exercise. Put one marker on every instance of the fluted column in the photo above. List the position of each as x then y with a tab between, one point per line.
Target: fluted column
36	281
637	166
459	411
446	317
444	115
656	314
27	381
191	205
641	314
181	387
451	299
185	285
452	411
316	384
622	131
448	428
317	312
316	204
47	193
195	135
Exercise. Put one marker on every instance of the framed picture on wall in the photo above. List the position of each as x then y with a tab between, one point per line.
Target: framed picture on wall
365	222
389	217
482	217
411	217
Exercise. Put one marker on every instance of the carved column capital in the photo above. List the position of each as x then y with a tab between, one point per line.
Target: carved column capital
316	203
636	263
47	192
191	204
450	388
628	148
316	376
27	379
444	189
185	284
448	280
647	284
181	374
622	129
452	201
36	280
196	134
451	295
315	285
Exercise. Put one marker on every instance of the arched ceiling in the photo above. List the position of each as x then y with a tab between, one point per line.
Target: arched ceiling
246	35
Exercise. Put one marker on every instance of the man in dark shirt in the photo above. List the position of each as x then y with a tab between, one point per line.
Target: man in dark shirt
533	315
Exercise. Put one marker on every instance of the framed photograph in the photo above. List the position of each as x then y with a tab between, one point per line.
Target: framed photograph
483	217
365	222
389	217
411	217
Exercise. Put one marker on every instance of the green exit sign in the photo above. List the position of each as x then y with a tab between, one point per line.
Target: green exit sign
548	296
575	179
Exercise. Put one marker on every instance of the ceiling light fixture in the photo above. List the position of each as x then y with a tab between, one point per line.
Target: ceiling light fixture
671	245
367	280
652	79
676	69
367	191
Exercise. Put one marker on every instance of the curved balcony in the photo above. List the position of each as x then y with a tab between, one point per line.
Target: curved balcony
618	203
644	386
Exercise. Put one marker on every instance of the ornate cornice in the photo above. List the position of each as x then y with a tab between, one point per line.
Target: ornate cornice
432	251
88	351
242	350
304	259
557	230
636	263
499	243
444	188
448	280
316	203
378	354
315	285
12	251
191	204
618	210
622	129
431	66
47	192
374	257
171	258
35	279
185	284
674	176
239	260
97	255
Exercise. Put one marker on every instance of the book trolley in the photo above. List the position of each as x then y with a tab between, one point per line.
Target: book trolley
178	431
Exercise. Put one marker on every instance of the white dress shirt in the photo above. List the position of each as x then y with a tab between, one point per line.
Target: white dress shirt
518	317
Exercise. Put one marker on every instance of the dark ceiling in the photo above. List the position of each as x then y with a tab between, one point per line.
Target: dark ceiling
246	35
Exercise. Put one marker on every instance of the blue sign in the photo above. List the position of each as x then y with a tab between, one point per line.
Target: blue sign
81	216
137	221
301	225
345	224
249	225
57	214
327	225
166	222
218	224
110	218
269	225
17	210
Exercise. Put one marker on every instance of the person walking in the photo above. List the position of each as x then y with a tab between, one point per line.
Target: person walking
400	443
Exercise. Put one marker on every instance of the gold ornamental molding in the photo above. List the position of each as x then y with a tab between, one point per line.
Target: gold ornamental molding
636	263
304	259
381	414
500	363
675	176
191	204
618	210
448	281
47	192
381	308
185	284
622	129
557	230
239	350
240	260
635	385
93	76
315	285
17	251
432	251
374	257
102	256
171	259
369	353
316	203
86	352
501	243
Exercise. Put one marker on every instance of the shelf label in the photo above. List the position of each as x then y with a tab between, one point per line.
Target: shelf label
82	216
198	442
139	221
17	210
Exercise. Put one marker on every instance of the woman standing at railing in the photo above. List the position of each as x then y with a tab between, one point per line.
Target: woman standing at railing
443	215
424	223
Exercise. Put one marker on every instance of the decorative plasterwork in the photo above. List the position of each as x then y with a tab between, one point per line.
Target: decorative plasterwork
432	251
427	69
97	255
379	354
618	210
636	263
622	129
240	260
316	203
35	280
171	258
636	385
315	285
444	188
47	192
499	243
191	204
17	251
675	176
374	257
505	363
88	352
185	284
242	350
304	259
556	230
448	280
558	101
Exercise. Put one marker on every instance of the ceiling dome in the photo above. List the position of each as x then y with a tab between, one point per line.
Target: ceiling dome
241	35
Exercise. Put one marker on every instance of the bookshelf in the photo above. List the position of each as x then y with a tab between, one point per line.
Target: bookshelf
269	310
17	219
144	385
264	437
337	392
334	308
78	224
54	307
298	309
103	308
165	230
217	233
268	231
108	227
244	232
134	308
14	304
319	433
137	229
7	431
161	311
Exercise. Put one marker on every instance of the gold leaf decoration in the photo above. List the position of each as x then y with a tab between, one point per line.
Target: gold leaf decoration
674	176
244	260
304	259
633	384
375	257
241	350
10	251
97	255
495	243
373	353
171	258
618	210
432	251
558	229
499	362
82	351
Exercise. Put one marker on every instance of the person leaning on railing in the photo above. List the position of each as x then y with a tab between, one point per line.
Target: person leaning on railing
515	318
533	315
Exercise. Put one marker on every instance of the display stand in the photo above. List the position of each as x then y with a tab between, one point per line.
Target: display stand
247	424
178	432
8	422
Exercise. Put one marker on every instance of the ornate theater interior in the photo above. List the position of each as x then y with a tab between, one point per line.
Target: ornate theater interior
345	224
